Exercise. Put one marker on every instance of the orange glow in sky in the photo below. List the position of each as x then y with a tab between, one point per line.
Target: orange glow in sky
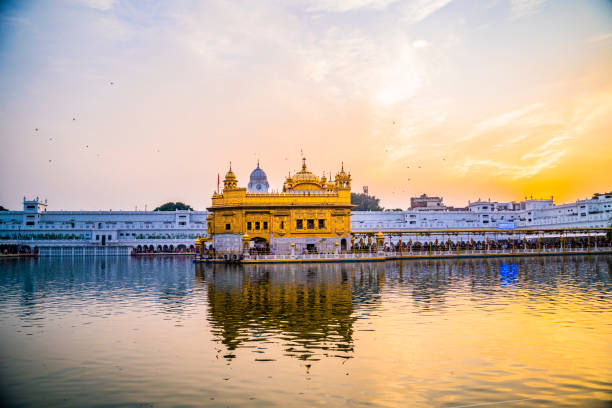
113	104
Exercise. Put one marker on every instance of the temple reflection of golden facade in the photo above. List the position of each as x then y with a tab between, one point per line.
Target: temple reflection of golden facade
311	214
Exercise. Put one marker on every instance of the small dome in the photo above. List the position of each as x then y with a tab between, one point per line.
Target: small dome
230	174
230	182
258	182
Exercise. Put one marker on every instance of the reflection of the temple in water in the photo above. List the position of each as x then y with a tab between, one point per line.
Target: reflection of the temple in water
307	308
311	309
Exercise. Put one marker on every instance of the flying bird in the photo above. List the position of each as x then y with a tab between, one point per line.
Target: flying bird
73	118
112	83
36	129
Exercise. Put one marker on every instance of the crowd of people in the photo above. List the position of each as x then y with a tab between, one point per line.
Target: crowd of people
531	243
500	244
17	250
165	249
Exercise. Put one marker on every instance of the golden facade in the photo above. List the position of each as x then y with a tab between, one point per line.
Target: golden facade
311	212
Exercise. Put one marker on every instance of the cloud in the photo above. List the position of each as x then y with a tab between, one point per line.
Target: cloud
400	152
418	10
512	171
524	8
543	143
341	6
98	4
344	63
490	167
599	38
413	11
547	148
514	117
406	129
420	44
359	82
382	69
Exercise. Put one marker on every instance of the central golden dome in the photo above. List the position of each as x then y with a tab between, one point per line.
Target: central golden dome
305	175
303	180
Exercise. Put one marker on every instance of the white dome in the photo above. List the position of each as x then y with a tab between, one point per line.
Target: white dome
258	182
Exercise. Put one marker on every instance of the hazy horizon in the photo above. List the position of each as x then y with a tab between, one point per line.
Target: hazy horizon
116	104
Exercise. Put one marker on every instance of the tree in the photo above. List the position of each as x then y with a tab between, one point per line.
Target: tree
3	209
365	202
170	206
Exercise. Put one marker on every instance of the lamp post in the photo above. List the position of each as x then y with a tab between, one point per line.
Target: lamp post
588	242
562	242
380	243
458	244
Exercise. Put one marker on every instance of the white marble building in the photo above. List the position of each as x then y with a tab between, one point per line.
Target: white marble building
530	213
121	232
159	231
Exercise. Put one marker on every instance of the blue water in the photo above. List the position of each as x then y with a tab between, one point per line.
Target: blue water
162	332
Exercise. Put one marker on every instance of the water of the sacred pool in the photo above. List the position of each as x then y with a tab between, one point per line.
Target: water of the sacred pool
163	332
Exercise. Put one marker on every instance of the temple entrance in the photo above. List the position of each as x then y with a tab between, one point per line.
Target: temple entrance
343	244
103	239
260	245
310	248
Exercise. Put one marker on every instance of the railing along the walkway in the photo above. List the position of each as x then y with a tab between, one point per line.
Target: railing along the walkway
428	253
486	252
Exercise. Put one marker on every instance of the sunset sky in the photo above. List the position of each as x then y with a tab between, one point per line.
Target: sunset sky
143	102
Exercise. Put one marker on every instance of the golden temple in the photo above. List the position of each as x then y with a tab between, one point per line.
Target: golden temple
311	213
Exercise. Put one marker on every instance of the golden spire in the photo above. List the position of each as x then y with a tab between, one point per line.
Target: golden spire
303	163
343	180
230	181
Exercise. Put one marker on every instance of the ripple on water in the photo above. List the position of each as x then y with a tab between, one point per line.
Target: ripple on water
161	331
